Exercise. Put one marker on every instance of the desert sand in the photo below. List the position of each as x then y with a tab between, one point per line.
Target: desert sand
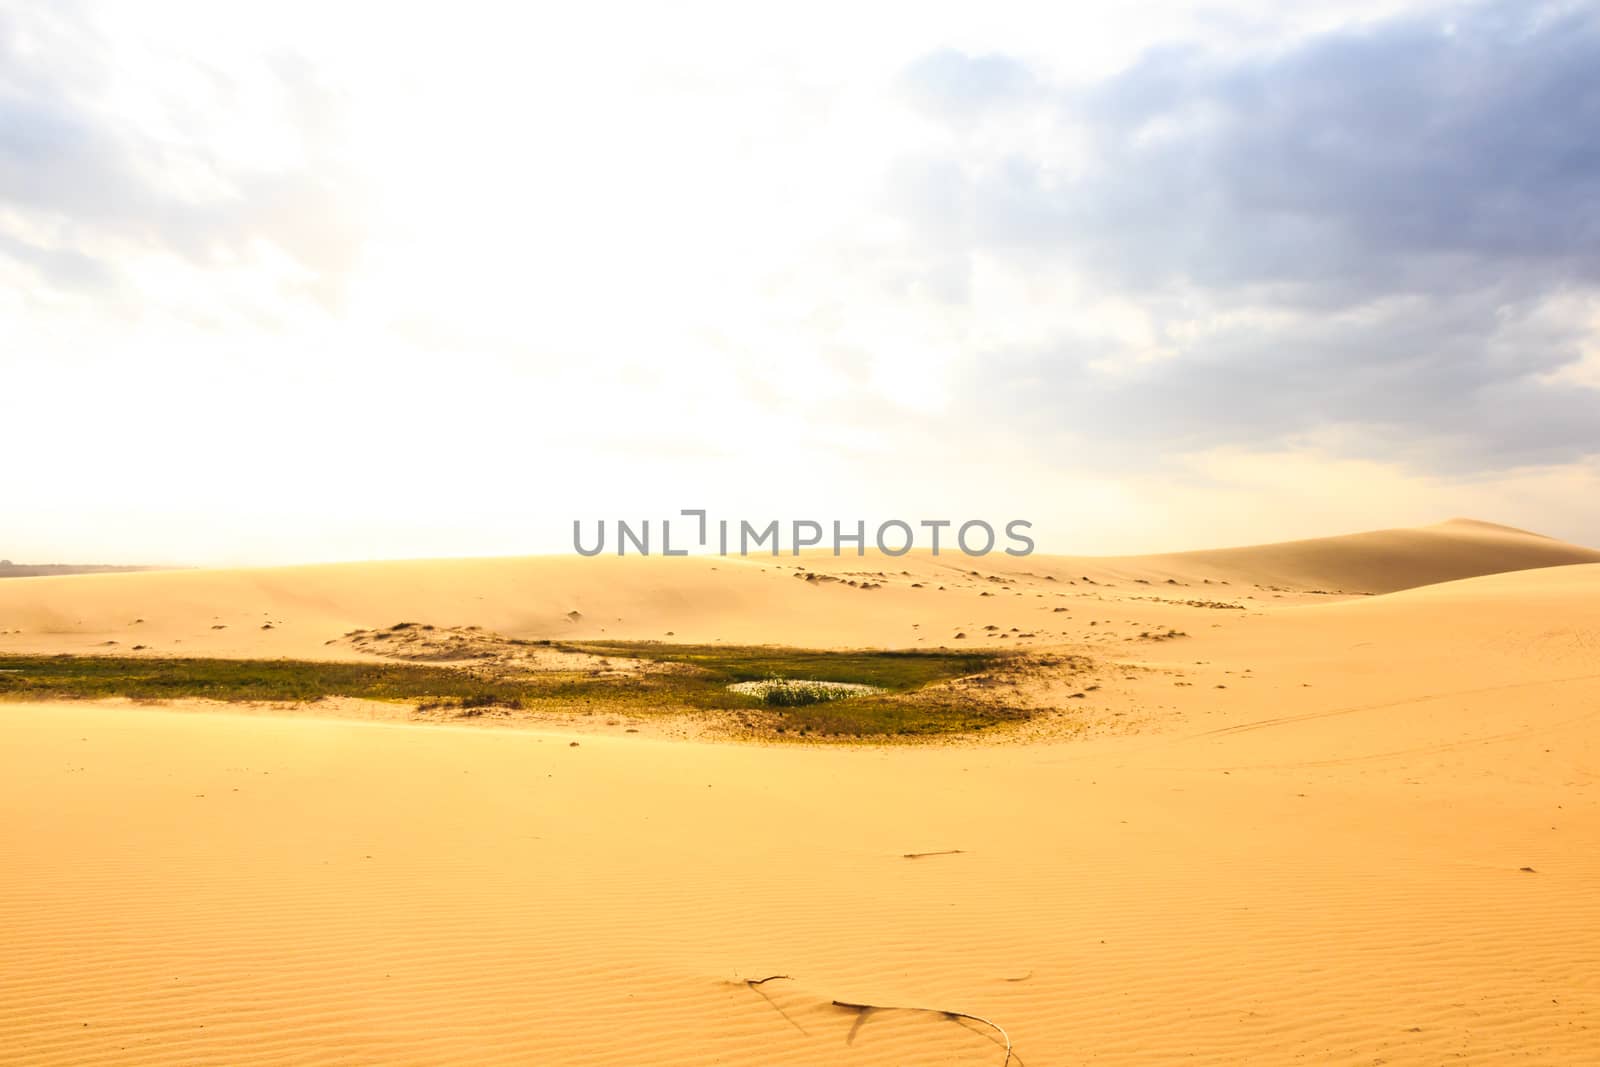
1348	816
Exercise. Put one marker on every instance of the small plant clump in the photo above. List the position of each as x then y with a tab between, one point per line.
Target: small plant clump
801	692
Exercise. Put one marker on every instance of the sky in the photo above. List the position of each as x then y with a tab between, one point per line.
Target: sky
312	281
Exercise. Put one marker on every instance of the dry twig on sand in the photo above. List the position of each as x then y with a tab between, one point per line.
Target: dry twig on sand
768	978
996	1027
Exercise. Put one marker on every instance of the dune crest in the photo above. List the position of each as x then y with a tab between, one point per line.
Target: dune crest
1380	561
817	600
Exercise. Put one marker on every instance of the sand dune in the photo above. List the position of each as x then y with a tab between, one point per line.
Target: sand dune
1382	561
911	600
1336	831
9	569
219	889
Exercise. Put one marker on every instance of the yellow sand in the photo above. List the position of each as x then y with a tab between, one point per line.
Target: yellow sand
1309	852
756	600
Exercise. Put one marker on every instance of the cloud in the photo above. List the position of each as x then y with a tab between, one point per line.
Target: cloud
91	178
59	268
1384	232
1321	232
952	85
1414	154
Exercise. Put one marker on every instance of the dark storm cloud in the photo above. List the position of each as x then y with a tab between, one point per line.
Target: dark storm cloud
1463	142
1409	197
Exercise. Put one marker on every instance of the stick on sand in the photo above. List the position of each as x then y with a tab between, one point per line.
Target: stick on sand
768	978
996	1027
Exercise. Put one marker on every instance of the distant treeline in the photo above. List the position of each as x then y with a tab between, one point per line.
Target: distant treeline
34	570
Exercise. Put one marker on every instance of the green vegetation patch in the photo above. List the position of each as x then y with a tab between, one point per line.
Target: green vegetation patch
894	670
697	681
151	678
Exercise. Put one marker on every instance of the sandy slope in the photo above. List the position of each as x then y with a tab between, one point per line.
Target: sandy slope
1319	862
1382	561
915	600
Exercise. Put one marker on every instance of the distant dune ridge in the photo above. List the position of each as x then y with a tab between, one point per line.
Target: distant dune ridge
698	598
1330	801
1385	560
8	569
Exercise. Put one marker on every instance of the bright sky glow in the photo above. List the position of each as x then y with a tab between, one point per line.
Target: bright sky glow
307	281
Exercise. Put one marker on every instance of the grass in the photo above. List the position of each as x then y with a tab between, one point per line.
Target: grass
796	695
798	692
895	670
151	678
904	707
